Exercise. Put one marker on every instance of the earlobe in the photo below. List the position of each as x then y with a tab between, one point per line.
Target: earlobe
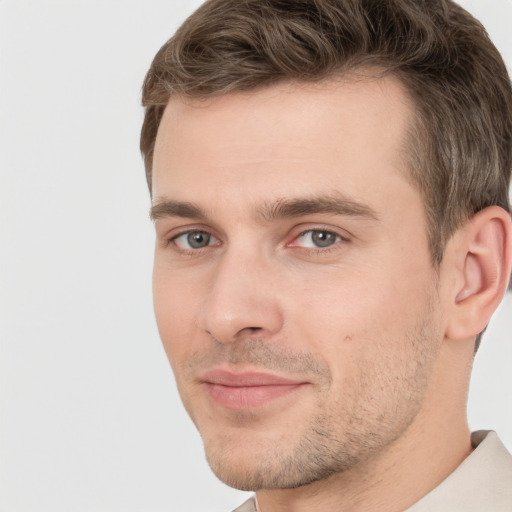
485	251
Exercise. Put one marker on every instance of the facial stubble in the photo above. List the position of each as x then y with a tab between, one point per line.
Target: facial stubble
378	405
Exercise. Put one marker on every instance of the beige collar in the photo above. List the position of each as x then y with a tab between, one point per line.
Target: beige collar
483	482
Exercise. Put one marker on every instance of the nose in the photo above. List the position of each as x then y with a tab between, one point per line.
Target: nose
243	299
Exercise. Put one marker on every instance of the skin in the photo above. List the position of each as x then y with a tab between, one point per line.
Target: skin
336	292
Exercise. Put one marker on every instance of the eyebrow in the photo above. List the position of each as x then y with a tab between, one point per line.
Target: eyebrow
171	208
335	204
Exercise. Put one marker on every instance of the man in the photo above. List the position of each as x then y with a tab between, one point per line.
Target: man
329	184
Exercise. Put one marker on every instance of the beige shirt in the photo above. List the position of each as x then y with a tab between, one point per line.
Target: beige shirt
482	483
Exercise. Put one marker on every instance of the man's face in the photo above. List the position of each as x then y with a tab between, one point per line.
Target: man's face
293	286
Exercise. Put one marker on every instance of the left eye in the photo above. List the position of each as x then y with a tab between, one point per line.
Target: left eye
317	238
194	240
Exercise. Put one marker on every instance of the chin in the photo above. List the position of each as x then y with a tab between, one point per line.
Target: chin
245	462
253	465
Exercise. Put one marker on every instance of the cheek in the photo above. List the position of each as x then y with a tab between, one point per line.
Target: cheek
176	302
354	309
342	301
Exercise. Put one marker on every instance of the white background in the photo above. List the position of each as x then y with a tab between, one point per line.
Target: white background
90	420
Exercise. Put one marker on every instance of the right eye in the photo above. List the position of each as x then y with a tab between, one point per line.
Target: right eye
193	240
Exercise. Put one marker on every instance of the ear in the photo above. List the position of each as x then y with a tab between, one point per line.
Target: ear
483	261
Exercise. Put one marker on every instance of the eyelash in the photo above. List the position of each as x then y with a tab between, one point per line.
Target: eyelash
172	241
315	250
337	239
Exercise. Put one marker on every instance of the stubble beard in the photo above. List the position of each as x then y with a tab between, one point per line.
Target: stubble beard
383	402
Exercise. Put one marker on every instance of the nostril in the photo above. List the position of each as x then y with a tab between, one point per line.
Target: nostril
248	333
249	330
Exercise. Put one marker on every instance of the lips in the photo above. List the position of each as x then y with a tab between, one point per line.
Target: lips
248	390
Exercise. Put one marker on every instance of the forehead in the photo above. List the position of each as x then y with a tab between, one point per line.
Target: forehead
346	133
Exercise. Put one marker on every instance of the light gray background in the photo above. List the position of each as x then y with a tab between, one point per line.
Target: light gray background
90	420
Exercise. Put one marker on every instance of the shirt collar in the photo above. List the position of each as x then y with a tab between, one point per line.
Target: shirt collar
481	482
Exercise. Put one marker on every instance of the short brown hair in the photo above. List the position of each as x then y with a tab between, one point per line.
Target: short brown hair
460	141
